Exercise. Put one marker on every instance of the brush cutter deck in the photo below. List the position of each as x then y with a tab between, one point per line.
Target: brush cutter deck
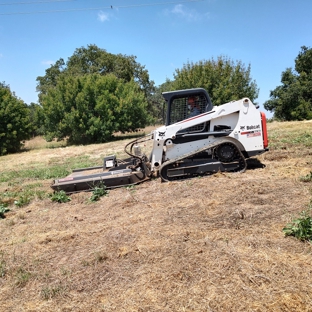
88	178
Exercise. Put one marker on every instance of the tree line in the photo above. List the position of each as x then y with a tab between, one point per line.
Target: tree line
95	94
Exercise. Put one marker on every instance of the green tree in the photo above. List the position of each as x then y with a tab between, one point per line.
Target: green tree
49	80
224	79
293	99
90	108
158	102
94	60
36	116
15	124
70	102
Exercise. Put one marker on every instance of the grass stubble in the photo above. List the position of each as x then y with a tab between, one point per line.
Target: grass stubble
206	244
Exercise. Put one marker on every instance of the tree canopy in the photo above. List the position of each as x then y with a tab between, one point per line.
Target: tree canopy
90	108
15	124
224	79
94	94
293	99
94	60
36	116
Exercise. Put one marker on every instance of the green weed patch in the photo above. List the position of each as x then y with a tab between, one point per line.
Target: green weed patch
3	210
60	197
98	192
300	227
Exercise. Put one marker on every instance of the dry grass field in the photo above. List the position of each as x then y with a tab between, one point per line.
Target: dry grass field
206	244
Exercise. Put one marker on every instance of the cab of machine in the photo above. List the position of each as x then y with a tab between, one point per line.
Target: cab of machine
184	104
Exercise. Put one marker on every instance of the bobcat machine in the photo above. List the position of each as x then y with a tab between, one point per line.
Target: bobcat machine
220	138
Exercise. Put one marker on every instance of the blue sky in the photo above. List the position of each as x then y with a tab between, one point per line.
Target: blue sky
162	34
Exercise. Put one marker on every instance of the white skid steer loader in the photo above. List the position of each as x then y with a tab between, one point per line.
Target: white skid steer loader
197	139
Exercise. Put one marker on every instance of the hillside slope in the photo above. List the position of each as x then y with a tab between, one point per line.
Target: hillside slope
206	244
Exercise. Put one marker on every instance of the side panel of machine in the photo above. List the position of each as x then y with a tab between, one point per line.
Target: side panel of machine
249	129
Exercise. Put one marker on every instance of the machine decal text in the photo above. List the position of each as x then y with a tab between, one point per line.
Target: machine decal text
253	127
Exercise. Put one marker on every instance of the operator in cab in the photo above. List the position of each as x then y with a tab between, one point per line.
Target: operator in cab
193	106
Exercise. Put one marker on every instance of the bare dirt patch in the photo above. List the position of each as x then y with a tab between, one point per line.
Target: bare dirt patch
206	244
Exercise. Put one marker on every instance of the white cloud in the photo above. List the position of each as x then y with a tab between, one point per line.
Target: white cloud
182	11
1	55
103	17
179	9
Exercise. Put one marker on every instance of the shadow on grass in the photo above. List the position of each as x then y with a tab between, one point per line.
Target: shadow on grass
254	163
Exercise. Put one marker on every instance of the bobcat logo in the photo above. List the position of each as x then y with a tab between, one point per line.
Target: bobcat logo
253	127
161	134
